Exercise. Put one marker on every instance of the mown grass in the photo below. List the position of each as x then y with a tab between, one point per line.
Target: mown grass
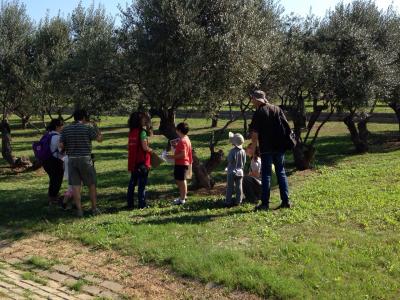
340	240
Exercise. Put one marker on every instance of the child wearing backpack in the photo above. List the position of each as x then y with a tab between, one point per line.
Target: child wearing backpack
47	151
235	172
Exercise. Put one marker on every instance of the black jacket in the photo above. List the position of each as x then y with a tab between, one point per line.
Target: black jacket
270	123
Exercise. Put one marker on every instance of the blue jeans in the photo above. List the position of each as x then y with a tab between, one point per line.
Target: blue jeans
140	180
278	159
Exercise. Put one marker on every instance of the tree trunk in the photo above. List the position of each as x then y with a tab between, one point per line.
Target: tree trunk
167	124
396	107
359	136
214	160
6	149
299	121
25	121
201	177
303	156
214	121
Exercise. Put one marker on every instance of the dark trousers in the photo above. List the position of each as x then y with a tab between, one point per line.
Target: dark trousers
252	188
139	179
54	167
278	159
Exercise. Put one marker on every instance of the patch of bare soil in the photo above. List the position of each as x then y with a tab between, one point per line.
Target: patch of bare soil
139	281
218	189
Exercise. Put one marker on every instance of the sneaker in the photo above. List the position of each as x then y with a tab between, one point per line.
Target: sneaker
284	205
261	207
179	201
79	214
96	212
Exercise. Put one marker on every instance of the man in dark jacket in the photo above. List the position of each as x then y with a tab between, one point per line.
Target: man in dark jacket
268	128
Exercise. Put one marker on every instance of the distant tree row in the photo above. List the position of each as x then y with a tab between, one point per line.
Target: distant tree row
174	54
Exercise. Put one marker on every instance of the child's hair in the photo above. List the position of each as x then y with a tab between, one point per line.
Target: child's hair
257	152
183	127
54	124
134	120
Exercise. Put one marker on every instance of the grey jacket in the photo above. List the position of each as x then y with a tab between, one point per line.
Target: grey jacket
236	161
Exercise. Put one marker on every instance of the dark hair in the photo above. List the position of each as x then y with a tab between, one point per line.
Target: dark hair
183	127
54	124
80	114
135	120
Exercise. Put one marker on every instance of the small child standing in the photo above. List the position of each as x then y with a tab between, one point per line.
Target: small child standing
183	161
235	173
68	196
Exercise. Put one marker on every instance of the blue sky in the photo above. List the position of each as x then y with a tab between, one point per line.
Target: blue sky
37	8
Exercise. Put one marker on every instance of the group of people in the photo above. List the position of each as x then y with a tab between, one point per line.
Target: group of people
71	158
269	133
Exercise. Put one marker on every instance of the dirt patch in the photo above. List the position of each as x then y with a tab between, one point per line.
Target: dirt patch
138	280
218	189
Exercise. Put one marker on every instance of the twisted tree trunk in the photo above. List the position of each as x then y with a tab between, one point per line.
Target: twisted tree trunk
359	133
6	149
25	121
214	121
303	155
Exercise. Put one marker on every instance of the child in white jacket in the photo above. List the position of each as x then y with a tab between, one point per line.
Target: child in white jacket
235	172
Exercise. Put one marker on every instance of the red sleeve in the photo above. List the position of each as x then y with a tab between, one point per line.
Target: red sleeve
180	147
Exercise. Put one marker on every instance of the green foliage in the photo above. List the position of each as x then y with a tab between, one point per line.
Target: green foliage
93	68
16	31
195	52
354	36
52	46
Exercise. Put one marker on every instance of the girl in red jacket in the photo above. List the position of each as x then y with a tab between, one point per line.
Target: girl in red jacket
138	158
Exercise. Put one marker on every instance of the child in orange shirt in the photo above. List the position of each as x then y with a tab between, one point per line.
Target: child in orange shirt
183	161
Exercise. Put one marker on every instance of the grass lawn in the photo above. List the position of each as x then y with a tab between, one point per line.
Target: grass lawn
341	240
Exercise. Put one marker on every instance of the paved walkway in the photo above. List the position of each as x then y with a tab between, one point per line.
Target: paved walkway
46	267
21	280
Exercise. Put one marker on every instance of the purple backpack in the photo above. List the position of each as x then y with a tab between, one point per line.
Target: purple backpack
42	149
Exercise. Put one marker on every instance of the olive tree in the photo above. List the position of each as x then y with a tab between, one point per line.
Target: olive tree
390	89
197	53
16	31
51	49
354	37
297	77
92	73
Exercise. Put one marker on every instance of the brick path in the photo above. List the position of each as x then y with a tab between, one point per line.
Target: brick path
42	266
55	283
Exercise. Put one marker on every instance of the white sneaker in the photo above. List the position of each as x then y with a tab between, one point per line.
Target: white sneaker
179	201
